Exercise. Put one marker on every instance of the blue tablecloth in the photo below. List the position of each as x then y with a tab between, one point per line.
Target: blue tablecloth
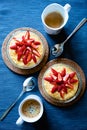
27	13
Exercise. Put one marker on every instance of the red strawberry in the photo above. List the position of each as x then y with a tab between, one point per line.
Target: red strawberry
14	47
22	49
71	75
65	78
69	85
27	35
53	77
29	49
23	39
26	52
19	44
73	80
29	42
20	52
34	46
62	93
49	79
63	72
54	89
54	72
29	57
34	58
59	77
37	43
24	59
35	52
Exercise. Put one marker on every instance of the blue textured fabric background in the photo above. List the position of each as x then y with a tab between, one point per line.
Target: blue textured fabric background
27	13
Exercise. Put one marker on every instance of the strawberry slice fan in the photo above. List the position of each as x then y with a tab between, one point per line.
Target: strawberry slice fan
26	48
61	81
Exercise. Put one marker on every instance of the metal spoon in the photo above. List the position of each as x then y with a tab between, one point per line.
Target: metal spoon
57	49
28	85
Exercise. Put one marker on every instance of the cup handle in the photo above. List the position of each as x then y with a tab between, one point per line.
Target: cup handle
19	121
67	7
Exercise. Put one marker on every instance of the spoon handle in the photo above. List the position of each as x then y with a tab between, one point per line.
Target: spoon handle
10	107
83	21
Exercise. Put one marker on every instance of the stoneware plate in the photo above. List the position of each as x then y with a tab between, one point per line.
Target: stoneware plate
16	69
81	79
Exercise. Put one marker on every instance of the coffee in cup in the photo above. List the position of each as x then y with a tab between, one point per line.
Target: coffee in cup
30	109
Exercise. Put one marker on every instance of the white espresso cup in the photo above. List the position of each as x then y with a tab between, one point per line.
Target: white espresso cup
30	109
60	21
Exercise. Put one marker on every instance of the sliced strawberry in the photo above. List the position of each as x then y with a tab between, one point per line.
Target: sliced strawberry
23	39
34	46
73	80
23	48
53	77
19	53
49	79
14	47
27	35
65	78
34	58
29	42
25	59
63	72
37	43
69	85
29	57
30	50
27	53
54	89
35	52
19	44
54	72
71	75
62	93
59	77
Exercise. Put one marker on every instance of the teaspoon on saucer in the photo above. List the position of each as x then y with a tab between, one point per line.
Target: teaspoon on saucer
57	49
28	85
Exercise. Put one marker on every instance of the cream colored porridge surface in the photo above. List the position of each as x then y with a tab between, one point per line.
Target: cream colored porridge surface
13	55
47	86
